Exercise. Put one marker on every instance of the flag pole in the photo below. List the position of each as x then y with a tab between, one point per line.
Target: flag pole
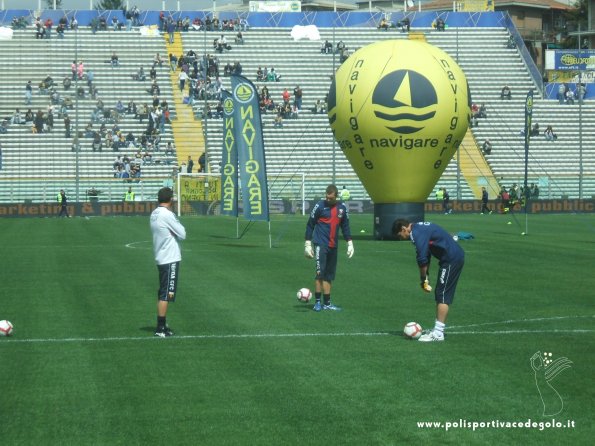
528	119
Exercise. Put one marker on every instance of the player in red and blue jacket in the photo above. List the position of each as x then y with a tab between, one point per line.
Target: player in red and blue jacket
322	228
431	240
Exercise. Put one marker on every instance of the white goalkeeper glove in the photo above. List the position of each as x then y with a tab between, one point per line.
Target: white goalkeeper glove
350	249
308	251
425	285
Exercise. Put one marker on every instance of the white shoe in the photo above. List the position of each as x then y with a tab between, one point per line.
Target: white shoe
431	337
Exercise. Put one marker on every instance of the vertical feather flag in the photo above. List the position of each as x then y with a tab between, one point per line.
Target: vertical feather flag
250	145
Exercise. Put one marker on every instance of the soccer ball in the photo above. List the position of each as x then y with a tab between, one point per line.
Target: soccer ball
412	330
304	295
5	328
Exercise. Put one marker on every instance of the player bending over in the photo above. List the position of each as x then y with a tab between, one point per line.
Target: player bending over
432	240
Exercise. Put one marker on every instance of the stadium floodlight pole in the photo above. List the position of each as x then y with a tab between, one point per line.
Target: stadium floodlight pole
528	119
204	85
580	118
76	119
334	169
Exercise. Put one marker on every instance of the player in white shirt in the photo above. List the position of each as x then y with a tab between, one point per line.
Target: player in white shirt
167	232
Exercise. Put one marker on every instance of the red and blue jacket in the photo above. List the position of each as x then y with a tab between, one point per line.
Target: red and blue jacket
324	222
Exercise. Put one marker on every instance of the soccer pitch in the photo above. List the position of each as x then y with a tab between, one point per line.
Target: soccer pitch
250	365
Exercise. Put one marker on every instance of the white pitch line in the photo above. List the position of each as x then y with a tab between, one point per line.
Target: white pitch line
282	335
497	332
514	321
224	336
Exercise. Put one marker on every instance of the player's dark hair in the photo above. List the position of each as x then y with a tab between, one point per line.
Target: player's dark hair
165	195
399	224
332	188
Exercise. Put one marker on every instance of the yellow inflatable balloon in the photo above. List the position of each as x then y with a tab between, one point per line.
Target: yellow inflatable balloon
399	109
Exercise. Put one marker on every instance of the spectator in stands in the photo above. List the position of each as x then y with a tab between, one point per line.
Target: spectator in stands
66	126
326	47
535	130
29	117
171	30
534	191
197	24
169	149
320	106
511	43
202	162
131	108
66	83
140	75
89	132
135	16
102	24
549	134
186	24
28	93
114	60
128	17
154	89
219	110
94	23
96	145
120	107
73	69
4	125
49	23
54	96
440	24
16	117
74	24
482	112
344	55
340	46
153	73
580	92
80	69
244	25
260	76
67	104
116	25
384	24
561	96
404	24
239	39
173	62
286	96
505	93
182	78
486	147
38	122
49	121
569	97
157	60
39	29
60	30
297	95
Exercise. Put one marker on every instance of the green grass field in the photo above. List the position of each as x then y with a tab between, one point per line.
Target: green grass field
250	365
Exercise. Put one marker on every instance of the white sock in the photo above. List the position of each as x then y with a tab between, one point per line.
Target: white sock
439	328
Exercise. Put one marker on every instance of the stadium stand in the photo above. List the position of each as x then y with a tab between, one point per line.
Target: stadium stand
302	145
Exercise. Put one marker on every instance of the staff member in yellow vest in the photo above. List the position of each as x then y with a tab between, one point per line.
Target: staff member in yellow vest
129	196
345	194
